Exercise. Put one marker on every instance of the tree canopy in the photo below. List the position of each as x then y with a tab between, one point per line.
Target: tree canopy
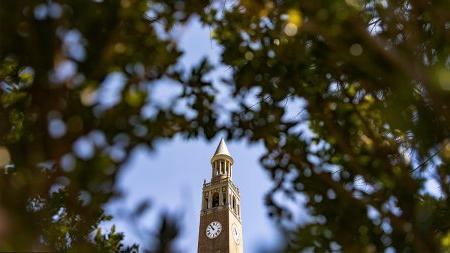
352	107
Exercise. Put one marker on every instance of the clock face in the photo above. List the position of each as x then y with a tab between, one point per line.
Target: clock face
213	229
236	234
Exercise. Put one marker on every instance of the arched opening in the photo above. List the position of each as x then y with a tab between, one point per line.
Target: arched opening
215	199
224	198
234	203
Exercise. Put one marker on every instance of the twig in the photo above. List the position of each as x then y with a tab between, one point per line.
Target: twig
427	160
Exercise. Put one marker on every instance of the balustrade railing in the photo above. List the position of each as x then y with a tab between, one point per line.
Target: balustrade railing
221	181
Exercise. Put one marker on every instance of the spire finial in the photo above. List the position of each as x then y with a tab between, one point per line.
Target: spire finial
222	149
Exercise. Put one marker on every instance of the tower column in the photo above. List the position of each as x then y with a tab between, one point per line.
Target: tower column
220	227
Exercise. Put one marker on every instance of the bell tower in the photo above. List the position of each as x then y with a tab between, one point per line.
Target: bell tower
220	217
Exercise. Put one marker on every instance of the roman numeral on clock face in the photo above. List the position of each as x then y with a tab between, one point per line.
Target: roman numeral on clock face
213	229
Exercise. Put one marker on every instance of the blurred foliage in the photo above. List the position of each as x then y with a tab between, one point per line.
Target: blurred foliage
352	109
55	57
374	80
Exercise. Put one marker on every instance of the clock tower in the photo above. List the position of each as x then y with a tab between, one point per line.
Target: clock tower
220	217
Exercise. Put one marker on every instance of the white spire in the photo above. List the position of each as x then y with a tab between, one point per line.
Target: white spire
222	149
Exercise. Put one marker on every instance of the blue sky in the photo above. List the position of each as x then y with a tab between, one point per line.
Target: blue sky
172	176
172	179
